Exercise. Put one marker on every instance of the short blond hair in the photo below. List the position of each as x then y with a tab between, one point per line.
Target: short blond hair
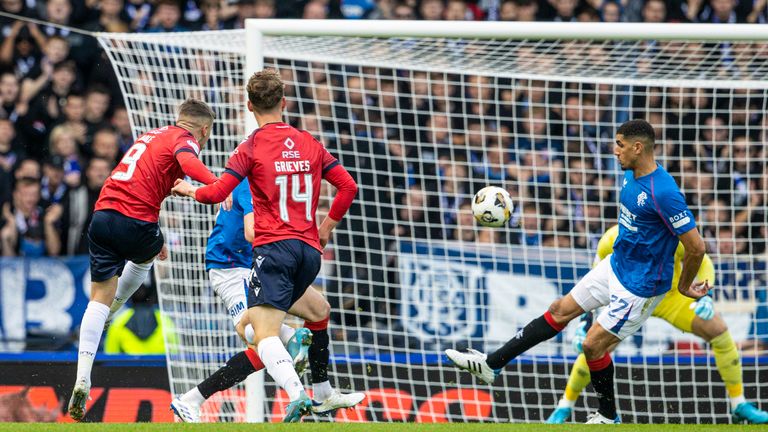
196	111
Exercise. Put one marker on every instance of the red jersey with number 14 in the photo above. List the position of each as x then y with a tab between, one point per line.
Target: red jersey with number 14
145	175
285	167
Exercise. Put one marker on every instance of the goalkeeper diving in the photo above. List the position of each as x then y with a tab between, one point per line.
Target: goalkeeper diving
686	314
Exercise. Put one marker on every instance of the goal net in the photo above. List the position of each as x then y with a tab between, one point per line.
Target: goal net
422	119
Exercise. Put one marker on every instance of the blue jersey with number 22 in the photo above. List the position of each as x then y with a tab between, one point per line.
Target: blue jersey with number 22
652	214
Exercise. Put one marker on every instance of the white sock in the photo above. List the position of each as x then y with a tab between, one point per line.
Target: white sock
280	366
193	397
736	401
91	328
322	391
286	333
128	282
565	403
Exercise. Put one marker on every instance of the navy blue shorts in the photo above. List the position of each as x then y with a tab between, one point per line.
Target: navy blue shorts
282	271
114	238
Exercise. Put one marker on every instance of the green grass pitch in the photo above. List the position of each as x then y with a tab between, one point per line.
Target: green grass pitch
365	427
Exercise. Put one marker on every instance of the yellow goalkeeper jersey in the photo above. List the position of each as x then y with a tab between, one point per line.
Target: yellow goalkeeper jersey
706	271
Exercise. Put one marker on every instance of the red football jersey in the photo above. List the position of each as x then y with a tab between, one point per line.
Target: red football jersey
284	167
145	175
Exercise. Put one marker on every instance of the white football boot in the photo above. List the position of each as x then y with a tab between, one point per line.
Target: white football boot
473	361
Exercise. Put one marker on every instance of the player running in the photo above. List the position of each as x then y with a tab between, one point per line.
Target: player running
697	317
654	218
228	260
124	237
284	167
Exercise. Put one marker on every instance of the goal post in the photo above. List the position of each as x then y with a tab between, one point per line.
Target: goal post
425	113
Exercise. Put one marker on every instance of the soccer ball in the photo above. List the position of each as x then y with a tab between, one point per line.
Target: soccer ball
492	206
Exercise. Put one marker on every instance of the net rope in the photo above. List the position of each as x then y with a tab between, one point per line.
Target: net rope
422	124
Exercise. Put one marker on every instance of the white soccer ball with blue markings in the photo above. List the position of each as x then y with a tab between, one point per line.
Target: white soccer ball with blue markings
492	206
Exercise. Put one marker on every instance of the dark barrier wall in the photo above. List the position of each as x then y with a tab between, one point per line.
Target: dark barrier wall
126	389
132	389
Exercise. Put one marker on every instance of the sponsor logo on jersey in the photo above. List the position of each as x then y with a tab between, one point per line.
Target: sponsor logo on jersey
641	198
627	219
680	219
289	143
624	183
234	310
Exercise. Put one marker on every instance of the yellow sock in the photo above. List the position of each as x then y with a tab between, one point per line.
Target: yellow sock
728	364
578	379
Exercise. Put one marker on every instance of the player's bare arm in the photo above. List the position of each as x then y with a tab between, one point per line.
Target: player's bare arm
694	254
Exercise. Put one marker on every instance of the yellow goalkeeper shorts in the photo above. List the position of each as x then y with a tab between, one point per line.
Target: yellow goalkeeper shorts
675	309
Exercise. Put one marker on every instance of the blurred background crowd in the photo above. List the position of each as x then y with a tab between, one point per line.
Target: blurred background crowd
63	127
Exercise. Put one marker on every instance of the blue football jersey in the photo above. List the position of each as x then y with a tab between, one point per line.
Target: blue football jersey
652	214
227	247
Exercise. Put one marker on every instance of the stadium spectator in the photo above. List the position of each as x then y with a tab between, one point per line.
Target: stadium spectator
106	145
139	12
166	18
611	11
122	125
565	10
28	169
457	10
64	145
97	101
29	230
138	329
431	9
384	9
508	10
78	207
404	11
526	10
211	18
19	47
45	108
110	17
9	148
466	227
654	11
9	96
52	186
264	9
315	9
74	118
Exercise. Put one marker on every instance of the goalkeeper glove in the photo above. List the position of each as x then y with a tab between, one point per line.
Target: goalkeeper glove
704	308
578	338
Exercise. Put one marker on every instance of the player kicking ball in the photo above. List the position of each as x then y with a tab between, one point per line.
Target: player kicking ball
697	317
284	167
124	237
228	260
653	219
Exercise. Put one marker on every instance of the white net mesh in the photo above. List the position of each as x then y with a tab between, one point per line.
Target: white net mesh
422	124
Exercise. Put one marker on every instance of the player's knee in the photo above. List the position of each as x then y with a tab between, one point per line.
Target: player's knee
560	311
593	349
319	311
709	329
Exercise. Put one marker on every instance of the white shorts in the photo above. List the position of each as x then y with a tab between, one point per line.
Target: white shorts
625	313
231	285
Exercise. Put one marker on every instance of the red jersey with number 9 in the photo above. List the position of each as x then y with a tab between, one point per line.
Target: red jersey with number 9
285	167
145	175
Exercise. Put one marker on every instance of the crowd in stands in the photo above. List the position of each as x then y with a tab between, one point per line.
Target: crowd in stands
63	128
